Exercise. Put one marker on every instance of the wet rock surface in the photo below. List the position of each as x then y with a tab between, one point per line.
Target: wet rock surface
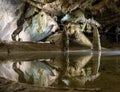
10	86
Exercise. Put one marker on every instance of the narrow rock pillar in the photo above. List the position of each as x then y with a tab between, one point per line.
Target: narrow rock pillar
96	39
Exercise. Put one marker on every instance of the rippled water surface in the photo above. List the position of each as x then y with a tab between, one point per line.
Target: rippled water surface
78	69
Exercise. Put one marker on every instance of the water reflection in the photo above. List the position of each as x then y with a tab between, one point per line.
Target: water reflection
55	69
32	72
78	71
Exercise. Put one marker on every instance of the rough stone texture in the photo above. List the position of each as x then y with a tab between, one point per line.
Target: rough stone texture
8	16
75	34
33	27
41	26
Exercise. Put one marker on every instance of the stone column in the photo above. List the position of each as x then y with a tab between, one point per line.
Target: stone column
96	39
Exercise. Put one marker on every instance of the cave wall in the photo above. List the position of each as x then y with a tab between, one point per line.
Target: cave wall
9	14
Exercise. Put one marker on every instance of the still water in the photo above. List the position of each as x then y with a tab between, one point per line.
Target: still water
78	69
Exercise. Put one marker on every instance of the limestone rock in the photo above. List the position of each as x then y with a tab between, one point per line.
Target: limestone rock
75	33
8	17
41	26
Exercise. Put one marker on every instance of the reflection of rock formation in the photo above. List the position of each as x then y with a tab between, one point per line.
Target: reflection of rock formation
34	72
70	68
80	71
20	73
76	66
7	72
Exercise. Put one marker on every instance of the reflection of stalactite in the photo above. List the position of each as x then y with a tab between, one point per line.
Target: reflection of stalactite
21	77
97	64
42	78
93	72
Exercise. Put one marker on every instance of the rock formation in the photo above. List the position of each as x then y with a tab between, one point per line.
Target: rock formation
36	20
